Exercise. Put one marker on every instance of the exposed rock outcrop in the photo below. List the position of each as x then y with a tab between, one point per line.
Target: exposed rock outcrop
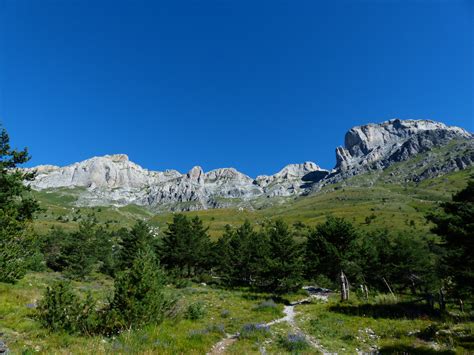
114	179
378	146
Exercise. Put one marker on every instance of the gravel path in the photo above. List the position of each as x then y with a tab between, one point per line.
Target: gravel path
289	311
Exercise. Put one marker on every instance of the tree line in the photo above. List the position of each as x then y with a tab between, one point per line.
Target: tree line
277	257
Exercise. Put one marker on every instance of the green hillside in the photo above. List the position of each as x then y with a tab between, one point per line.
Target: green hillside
379	199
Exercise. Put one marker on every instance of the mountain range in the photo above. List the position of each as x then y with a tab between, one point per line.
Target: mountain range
115	180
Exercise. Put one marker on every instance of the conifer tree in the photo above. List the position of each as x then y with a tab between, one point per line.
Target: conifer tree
283	263
327	246
132	241
455	224
16	212
186	246
138	298
201	246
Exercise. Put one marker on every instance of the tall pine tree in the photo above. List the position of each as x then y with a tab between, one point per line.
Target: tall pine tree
455	224
186	246
131	241
16	212
283	262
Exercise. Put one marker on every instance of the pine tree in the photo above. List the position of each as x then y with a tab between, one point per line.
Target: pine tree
81	251
455	224
131	242
240	254
186	246
55	242
222	255
327	247
16	212
138	298
201	245
405	260
283	263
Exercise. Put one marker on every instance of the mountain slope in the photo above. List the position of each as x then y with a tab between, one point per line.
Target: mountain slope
114	180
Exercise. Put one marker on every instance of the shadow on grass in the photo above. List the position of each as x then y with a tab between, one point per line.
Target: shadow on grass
264	297
391	311
405	349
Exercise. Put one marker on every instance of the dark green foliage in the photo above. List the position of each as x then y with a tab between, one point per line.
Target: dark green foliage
186	246
269	260
80	252
283	267
131	242
240	254
62	310
138	298
195	311
16	212
405	261
327	247
455	224
54	246
293	343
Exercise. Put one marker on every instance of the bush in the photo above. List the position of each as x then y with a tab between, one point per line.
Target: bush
266	305
62	310
254	331
293	342
138	297
195	311
211	329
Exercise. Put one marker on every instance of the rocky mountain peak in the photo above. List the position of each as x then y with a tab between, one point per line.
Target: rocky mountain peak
371	142
297	170
195	173
117	158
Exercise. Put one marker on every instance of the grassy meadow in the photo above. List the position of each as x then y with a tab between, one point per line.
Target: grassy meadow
383	323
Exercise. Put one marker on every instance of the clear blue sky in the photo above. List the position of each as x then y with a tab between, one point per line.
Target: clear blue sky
249	84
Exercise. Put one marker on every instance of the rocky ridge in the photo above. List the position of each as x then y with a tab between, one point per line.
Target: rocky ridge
115	180
378	146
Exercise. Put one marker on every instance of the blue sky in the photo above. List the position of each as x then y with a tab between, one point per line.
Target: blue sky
249	84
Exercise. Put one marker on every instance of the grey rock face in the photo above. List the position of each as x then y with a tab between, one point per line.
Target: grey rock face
377	146
288	181
114	179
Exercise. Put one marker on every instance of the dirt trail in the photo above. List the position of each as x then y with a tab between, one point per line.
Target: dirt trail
289	311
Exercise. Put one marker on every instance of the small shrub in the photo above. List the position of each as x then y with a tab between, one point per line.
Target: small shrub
62	310
195	311
58	310
293	342
213	328
254	331
266	305
138	296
